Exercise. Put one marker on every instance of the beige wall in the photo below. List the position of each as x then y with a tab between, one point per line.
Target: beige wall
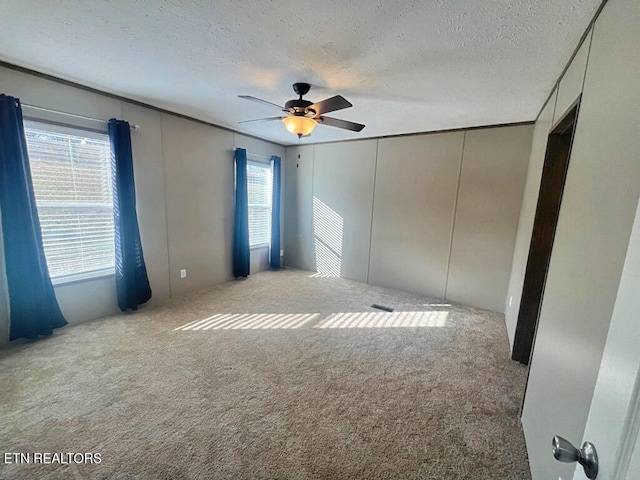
494	166
435	214
341	206
415	200
596	216
298	207
199	197
184	193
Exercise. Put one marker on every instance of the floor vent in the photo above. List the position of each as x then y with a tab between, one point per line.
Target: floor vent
382	307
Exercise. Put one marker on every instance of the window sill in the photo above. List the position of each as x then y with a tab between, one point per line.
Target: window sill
82	277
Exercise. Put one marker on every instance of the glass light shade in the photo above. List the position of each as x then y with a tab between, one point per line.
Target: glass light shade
299	125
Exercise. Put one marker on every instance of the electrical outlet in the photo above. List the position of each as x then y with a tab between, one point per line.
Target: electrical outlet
183	273
282	252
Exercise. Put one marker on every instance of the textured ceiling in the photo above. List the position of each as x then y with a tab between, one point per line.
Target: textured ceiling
407	66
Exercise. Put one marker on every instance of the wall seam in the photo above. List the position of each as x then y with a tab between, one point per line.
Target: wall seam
373	201
455	214
555	105
166	208
586	63
311	245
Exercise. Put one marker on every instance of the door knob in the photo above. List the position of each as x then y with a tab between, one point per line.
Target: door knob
587	456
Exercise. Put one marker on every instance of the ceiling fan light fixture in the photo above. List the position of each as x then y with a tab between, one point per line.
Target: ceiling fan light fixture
299	125
302	116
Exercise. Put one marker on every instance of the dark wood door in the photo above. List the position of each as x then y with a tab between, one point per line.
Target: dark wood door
554	173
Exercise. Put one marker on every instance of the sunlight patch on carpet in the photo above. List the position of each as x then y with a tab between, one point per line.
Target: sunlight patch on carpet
271	321
253	321
384	320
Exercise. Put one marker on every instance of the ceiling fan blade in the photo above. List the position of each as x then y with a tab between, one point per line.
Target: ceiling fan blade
259	100
336	122
262	119
330	105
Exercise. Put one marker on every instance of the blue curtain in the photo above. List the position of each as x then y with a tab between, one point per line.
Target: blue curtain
132	283
33	306
241	250
274	260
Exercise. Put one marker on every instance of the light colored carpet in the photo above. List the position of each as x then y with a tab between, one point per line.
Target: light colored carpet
314	384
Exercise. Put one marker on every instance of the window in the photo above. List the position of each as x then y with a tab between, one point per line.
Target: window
259	186
71	173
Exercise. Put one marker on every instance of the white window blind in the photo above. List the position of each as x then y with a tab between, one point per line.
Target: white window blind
71	173
259	188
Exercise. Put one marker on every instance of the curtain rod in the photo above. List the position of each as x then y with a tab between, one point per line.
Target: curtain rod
256	154
135	127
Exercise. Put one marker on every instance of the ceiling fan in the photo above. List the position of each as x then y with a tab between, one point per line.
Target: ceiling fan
303	115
